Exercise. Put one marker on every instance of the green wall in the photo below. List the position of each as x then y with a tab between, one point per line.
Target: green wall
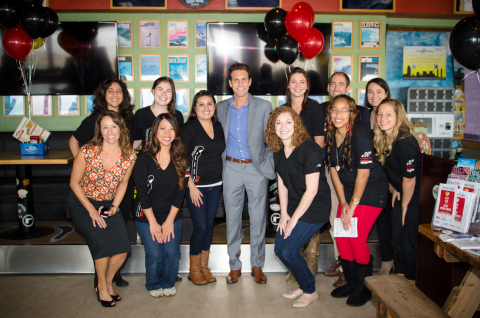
56	123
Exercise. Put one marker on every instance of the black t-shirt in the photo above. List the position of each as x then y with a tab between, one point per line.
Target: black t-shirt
363	157
86	130
306	159
204	155
363	117
405	161
157	189
144	118
313	118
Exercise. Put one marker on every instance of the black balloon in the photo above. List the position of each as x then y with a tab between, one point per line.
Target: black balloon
84	31
465	42
30	2
287	49
52	23
269	50
275	22
34	20
9	16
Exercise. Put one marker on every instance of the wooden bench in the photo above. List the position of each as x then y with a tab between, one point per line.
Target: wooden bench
398	297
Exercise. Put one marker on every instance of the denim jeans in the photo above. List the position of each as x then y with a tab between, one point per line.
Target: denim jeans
203	217
161	259
288	251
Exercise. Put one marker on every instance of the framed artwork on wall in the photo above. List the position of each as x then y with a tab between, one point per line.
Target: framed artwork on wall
149	67
178	67
201	33
149	34
318	99
200	68
138	4
182	101
125	67
368	67
368	6
342	34
89	104
14	106
125	34
463	6
252	4
131	92
370	34
361	96
68	105
177	33
146	96
281	100
42	105
342	63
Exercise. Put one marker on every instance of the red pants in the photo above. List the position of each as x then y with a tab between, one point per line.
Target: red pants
356	248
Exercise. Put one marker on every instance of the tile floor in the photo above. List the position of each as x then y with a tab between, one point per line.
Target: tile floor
73	296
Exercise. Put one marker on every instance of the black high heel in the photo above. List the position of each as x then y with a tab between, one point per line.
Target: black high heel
116	297
105	303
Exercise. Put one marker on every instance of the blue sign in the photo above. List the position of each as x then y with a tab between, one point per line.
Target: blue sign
195	4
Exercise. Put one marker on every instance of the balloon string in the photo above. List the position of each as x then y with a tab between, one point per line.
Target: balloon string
469	74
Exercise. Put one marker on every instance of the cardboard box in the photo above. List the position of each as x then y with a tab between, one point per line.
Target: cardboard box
34	149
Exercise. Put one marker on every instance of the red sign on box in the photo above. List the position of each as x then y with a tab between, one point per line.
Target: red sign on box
446	202
459	212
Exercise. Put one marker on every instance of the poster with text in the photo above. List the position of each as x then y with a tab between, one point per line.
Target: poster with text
342	63
424	62
125	67
342	33
200	34
369	67
178	67
370	34
149	67
124	34
149	34
177	34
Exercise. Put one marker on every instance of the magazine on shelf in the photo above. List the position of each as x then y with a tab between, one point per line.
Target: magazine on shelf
458	176
474	188
474	176
445	205
466	163
467	245
459	183
460	171
474	252
463	212
458	237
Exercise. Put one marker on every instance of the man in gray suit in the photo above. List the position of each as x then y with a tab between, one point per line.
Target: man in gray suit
247	165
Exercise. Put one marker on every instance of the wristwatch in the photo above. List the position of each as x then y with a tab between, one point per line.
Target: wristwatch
116	208
355	201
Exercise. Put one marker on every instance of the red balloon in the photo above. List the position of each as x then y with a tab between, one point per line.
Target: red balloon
17	43
305	6
312	44
298	23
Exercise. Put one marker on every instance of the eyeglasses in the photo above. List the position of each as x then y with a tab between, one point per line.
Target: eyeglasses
343	111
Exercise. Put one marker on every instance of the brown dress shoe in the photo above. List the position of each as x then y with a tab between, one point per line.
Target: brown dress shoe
233	276
260	277
333	271
340	281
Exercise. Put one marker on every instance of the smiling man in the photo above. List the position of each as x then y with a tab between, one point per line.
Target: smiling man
247	166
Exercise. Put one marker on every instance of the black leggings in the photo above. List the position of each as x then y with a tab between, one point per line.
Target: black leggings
384	231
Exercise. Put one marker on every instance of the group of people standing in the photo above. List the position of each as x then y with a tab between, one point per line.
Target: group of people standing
335	160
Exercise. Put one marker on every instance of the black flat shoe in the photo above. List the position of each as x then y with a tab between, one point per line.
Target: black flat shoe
116	297
105	303
179	278
119	280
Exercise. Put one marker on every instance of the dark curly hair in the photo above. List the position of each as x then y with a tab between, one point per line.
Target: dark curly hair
331	130
300	133
177	150
100	103
124	138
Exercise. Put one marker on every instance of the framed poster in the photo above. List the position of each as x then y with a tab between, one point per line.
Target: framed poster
149	34
89	104
200	68
201	33
131	92
124	34
281	100
342	63
252	4
68	105
342	34
149	67
318	99
463	6
178	67
369	6
177	32
41	105
424	62
147	98
361	96
370	34
14	106
138	4
368	67
125	67
182	101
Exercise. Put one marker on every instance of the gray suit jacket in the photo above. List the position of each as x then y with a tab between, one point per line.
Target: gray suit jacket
258	114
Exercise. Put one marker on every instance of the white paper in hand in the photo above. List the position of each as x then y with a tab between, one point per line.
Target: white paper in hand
339	231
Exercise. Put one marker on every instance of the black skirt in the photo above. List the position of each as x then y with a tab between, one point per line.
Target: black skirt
109	241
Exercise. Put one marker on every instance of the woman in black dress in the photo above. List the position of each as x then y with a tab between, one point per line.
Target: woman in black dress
204	142
399	152
100	175
111	94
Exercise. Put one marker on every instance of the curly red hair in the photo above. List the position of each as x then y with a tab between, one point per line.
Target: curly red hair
300	134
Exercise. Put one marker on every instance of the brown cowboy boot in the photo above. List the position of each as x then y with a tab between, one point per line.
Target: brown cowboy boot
195	274
204	267
312	252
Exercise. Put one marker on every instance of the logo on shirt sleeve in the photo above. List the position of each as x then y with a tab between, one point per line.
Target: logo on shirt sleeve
319	165
366	158
410	165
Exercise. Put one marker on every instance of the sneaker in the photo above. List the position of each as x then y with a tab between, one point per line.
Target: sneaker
157	293
169	291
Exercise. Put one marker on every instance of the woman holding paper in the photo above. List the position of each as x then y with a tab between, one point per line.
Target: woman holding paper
304	196
398	151
361	187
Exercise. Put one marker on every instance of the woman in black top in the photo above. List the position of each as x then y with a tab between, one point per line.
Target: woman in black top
375	92
111	94
204	142
361	187
304	196
399	152
160	180
163	91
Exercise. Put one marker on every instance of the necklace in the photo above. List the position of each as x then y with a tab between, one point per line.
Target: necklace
337	167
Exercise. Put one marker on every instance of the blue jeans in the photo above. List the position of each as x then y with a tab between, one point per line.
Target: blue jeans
288	251
161	259
203	218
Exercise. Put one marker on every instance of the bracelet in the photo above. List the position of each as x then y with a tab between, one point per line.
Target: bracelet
117	209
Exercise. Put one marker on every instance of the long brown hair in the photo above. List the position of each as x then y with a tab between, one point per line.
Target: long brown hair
171	105
300	133
100	103
177	150
288	94
124	139
380	82
331	130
